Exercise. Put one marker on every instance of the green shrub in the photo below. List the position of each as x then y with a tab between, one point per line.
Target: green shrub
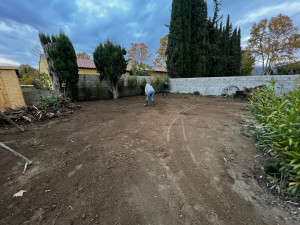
142	84
132	84
43	81
51	103
280	119
157	85
99	90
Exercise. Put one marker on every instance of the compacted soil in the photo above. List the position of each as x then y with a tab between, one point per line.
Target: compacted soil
183	161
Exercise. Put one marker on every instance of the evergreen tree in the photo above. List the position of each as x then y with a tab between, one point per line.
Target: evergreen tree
65	66
198	46
226	43
175	56
110	63
199	39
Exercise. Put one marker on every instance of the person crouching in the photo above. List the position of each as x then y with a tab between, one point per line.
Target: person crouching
149	91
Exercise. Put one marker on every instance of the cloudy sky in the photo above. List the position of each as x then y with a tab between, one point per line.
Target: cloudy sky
87	22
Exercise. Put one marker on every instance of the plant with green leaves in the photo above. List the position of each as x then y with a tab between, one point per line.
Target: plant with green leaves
52	103
141	69
43	81
142	84
110	63
280	119
63	63
132	84
157	85
99	90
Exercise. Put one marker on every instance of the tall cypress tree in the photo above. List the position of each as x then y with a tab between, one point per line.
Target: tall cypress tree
226	43
175	56
199	47
64	63
199	39
239	53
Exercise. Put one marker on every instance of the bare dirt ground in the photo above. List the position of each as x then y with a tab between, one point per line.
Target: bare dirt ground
184	161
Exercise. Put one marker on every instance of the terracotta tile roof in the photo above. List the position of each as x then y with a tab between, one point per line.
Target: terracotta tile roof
86	63
159	69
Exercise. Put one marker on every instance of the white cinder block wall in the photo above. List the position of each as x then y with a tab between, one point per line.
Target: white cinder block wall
215	85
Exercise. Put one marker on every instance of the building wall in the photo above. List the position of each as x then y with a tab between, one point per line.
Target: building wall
215	85
43	67
159	75
32	97
87	71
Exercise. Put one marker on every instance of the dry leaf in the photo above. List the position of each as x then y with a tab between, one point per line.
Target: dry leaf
19	194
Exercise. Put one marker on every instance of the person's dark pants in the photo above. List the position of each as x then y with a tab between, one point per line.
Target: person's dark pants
164	90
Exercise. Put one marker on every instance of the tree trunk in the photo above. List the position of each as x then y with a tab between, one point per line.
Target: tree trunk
55	83
115	91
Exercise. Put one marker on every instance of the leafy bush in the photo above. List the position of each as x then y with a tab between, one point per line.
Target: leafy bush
99	90
280	119
43	81
142	85
157	85
141	69
132	84
26	80
51	103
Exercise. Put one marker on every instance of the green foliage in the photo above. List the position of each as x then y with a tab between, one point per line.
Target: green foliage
132	84
51	103
87	90
280	119
121	86
26	80
43	81
198	46
292	68
110	63
99	90
179	38
142	84
63	58
157	85
248	62
28	70
141	69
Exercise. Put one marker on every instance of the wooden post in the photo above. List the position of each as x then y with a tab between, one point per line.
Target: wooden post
14	153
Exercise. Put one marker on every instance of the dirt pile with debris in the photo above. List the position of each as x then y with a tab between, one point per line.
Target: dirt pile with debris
39	112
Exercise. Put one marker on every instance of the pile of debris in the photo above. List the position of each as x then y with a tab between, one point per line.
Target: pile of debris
38	112
248	92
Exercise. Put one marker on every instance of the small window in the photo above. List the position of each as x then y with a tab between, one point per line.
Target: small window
157	75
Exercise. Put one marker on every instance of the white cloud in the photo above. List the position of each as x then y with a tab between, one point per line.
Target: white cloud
101	8
8	62
139	34
284	8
